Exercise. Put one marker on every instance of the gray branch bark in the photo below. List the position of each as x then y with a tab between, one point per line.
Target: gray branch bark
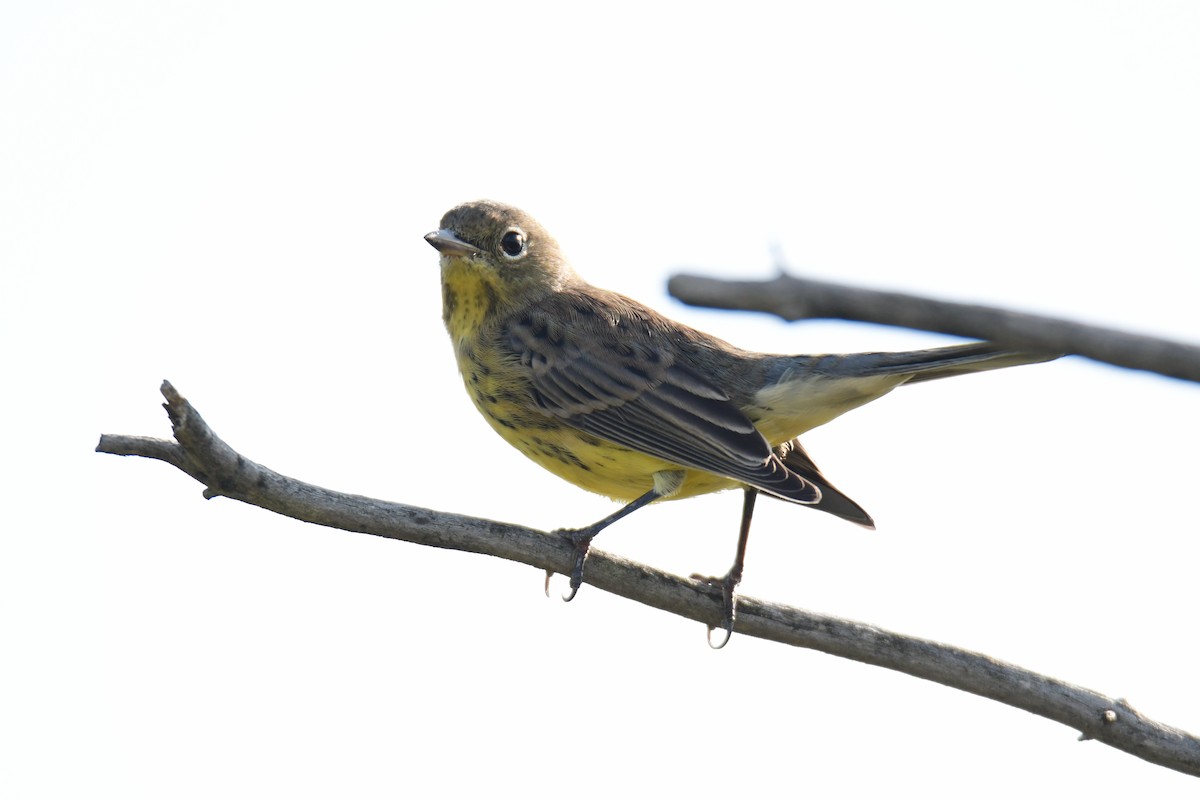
200	453
795	298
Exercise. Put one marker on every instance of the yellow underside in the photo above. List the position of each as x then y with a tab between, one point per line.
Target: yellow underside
587	461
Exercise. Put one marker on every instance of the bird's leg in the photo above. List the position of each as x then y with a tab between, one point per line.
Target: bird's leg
733	577
581	539
666	483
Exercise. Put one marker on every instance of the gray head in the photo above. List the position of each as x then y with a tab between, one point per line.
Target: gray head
503	245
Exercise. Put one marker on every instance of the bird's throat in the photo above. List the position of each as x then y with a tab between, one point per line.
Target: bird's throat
469	295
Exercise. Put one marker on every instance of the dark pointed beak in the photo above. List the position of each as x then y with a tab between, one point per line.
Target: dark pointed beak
447	243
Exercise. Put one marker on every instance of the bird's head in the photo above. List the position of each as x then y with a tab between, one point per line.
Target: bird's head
501	248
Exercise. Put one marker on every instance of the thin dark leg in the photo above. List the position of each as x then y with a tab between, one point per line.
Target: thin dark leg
581	539
733	577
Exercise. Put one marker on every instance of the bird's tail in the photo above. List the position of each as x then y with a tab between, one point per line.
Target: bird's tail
808	391
801	392
944	362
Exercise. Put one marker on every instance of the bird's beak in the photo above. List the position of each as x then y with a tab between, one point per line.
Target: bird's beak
447	243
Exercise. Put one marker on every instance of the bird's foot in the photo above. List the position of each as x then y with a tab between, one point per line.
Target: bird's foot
728	586
581	541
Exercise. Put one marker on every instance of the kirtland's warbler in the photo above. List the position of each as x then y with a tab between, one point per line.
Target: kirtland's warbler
617	399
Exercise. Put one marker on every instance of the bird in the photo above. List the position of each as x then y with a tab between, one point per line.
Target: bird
616	398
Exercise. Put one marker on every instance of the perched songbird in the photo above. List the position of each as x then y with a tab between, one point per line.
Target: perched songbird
617	399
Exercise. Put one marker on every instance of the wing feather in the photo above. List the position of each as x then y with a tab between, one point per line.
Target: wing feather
638	395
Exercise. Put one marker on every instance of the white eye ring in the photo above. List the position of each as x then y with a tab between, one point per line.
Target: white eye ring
512	243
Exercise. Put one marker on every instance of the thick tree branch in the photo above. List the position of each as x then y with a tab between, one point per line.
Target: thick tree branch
800	298
200	453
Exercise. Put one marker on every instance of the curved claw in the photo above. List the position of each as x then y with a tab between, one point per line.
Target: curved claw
567	596
581	541
577	571
725	641
728	586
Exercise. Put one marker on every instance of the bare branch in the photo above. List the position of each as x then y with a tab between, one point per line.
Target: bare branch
200	453
800	298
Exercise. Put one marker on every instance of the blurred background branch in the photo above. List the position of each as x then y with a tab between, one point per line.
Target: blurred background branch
794	298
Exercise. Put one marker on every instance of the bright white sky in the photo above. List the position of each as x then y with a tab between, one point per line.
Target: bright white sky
232	195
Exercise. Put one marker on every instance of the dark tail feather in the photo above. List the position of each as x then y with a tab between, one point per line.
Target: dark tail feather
944	362
832	500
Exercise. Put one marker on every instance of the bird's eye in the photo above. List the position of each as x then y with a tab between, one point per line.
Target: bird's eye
513	243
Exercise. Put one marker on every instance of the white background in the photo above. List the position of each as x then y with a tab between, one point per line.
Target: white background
232	196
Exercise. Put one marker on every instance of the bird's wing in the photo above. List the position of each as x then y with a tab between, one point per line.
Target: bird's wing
833	500
637	394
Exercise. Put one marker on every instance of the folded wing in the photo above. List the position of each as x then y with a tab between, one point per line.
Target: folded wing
636	394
